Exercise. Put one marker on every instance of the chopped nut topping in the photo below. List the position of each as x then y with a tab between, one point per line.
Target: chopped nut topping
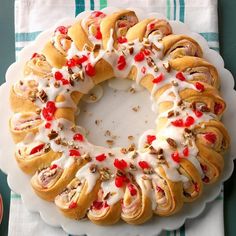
136	109
70	71
110	142
134	154
171	142
167	67
56	84
97	122
105	174
86	157
130	137
78	76
148	171
60	126
132	147
106	197
93	168
132	166
108	133
38	111
110	154
52	135
131	50
193	105
43	96
153	46
174	83
150	62
145	177
96	47
132	90
124	150
156	69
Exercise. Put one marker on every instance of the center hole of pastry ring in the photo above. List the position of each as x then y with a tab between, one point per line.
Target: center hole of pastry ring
116	113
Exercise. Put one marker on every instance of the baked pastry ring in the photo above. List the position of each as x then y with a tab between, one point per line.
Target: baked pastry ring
171	164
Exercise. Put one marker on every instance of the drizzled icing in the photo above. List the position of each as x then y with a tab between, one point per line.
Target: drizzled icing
111	55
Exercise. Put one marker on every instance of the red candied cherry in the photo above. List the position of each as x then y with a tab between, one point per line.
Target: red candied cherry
98	34
48	125
196	187
90	70
122	39
80	60
119	181
158	79
204	168
143	164
46	115
97	205
198	113
51	107
143	70
37	148
120	164
132	189
206	179
150	138
121	24
71	62
54	166
35	55
61	29
178	123
159	189
146	52
78	137
199	86
101	157
65	81
186	152
74	152
58	75
97	14
73	205
210	137
217	108
175	156
189	121
151	26
180	76
121	63
139	56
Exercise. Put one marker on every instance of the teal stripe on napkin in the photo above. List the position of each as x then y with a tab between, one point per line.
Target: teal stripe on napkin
181	10
103	3
79	6
26	36
91	4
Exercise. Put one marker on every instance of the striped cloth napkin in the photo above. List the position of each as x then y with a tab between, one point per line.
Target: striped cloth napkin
34	16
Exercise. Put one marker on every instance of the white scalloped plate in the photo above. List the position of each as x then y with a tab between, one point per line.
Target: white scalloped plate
19	182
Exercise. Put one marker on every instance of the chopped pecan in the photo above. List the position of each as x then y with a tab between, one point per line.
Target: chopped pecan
171	142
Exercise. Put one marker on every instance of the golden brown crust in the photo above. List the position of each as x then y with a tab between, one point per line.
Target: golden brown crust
189	63
83	202
50	193
108	23
31	165
53	56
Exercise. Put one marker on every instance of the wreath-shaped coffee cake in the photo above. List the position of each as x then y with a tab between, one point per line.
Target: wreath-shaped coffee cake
171	164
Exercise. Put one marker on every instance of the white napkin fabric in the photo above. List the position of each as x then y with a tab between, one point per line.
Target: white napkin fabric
34	16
